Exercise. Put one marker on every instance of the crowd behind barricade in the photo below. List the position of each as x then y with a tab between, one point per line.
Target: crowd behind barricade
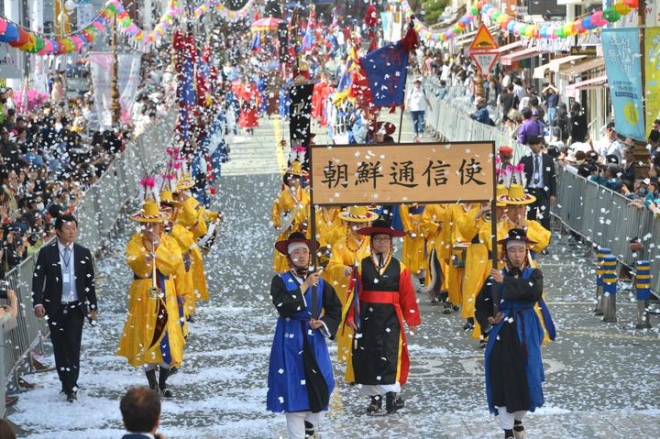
52	153
513	105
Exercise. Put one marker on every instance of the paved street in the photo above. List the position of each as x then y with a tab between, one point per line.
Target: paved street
602	380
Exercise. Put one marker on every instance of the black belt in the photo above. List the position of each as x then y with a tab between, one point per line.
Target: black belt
74	303
136	277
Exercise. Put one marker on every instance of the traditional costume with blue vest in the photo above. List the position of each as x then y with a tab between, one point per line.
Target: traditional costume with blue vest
514	368
288	374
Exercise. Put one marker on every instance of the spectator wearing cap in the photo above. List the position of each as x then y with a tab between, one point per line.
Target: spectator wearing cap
541	181
639	191
417	102
481	115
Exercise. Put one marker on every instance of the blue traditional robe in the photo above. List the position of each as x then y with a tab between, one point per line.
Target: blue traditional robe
287	389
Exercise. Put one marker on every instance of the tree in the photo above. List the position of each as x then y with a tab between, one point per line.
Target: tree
432	10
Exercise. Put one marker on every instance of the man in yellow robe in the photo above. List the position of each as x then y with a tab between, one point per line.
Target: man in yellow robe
341	271
292	204
152	335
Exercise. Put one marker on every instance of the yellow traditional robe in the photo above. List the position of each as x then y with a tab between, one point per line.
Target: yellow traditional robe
291	203
346	253
414	244
137	342
451	236
432	227
197	288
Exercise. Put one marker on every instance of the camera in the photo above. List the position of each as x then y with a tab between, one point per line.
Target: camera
4	285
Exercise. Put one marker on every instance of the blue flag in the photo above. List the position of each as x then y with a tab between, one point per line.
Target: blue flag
386	72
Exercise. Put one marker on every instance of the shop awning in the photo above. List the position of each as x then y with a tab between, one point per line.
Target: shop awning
584	66
573	90
539	72
509	59
509	47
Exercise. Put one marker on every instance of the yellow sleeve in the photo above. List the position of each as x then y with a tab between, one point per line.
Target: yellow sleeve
168	256
467	224
539	234
276	211
404	214
338	263
432	219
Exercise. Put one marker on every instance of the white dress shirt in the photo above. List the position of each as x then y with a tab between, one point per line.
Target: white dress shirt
69	293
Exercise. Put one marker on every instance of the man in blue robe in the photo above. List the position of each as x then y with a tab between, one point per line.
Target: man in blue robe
300	378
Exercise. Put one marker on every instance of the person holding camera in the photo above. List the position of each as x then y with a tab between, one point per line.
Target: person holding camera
63	288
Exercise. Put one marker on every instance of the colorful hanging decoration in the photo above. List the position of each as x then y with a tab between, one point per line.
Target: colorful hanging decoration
32	42
224	12
549	30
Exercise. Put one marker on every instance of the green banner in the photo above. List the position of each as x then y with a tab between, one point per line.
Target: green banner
652	75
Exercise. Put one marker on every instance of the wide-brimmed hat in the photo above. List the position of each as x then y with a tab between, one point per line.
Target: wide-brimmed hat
381	227
516	196
283	246
500	190
296	169
185	182
358	214
516	235
150	213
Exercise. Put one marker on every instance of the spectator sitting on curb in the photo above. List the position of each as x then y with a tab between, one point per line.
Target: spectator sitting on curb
481	115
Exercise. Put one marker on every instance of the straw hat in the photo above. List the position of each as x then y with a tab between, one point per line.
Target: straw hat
150	213
516	196
357	214
500	190
296	169
166	197
381	227
185	182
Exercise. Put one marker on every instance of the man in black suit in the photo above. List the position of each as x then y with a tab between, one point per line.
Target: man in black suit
140	411
62	287
541	181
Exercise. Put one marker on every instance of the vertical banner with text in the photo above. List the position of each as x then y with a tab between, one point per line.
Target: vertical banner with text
621	50
300	98
128	82
652	75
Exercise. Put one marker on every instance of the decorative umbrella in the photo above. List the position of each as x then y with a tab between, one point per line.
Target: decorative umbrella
265	24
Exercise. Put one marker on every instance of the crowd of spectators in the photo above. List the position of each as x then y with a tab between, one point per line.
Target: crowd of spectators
50	155
513	103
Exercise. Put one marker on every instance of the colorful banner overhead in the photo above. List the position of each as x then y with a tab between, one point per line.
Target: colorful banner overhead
621	51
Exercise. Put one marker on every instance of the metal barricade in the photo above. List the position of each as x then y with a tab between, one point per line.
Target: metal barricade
97	215
592	211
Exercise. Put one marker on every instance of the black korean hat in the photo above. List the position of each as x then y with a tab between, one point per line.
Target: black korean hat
381	226
283	245
516	235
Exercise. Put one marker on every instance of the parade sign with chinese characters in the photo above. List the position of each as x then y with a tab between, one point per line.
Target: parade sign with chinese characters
402	173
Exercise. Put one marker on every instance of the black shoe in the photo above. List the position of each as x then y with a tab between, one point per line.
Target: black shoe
71	396
309	430
508	434
455	307
162	383
468	326
519	430
545	252
151	379
375	405
482	344
173	370
392	403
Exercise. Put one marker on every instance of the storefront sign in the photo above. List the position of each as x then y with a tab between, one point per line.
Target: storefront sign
584	50
624	72
394	173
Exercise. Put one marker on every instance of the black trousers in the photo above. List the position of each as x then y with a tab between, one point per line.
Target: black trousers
66	335
539	210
